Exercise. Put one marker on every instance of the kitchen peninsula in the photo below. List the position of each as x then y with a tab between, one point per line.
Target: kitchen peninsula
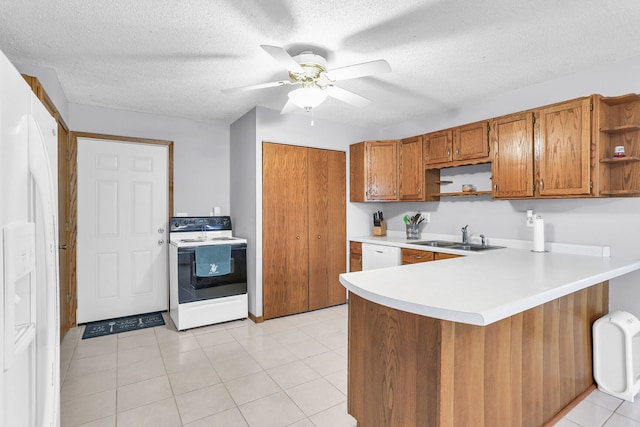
493	339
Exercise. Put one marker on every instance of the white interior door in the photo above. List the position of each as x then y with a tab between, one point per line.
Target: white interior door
122	220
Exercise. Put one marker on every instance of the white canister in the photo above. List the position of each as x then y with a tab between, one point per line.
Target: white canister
618	151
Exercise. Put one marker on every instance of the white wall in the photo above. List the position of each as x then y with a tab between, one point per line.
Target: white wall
613	221
200	151
243	194
293	129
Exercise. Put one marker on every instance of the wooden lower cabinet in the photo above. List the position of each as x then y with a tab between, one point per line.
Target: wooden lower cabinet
415	256
441	255
303	228
355	256
411	370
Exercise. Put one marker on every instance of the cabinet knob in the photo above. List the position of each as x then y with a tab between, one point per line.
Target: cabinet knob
160	242
541	184
495	187
318	236
297	237
419	190
160	230
457	151
448	152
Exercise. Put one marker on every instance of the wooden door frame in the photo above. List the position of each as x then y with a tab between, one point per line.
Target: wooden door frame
73	199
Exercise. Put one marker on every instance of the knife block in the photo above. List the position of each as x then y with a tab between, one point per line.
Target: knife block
380	230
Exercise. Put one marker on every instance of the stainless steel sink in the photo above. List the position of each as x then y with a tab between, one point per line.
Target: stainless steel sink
456	245
474	247
437	243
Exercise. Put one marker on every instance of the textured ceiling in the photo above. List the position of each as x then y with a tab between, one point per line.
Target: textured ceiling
173	57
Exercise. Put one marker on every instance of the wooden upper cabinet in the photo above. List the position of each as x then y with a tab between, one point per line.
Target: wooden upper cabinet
373	171
438	147
513	157
471	141
411	169
618	124
381	170
565	149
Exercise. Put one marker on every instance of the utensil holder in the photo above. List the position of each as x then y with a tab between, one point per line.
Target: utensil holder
413	231
380	230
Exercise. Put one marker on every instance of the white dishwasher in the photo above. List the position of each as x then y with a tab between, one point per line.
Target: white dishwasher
379	256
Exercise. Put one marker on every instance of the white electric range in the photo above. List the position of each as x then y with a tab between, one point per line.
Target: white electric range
205	300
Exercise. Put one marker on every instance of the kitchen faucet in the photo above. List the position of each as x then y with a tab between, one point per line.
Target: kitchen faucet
465	236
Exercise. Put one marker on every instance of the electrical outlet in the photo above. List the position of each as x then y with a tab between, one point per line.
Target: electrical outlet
427	217
530	217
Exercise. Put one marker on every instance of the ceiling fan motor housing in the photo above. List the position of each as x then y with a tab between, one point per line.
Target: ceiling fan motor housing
313	65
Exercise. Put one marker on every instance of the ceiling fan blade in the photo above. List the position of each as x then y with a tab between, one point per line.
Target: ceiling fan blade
288	107
254	87
281	55
347	96
359	70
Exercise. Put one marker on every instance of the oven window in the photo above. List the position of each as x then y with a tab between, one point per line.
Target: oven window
193	288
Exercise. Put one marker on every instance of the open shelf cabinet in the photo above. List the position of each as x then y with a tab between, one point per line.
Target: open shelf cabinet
619	125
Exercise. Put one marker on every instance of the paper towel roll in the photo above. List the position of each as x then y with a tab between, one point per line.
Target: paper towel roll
538	234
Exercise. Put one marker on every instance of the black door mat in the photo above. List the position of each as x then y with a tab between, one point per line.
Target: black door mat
122	324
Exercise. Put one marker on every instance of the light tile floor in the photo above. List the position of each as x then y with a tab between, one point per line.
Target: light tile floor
290	371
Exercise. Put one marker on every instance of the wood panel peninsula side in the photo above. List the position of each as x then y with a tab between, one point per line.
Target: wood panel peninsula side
514	360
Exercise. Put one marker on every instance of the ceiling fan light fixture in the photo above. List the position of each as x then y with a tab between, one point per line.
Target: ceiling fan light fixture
307	97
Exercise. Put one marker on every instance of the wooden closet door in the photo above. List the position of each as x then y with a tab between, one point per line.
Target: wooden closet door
285	228
327	227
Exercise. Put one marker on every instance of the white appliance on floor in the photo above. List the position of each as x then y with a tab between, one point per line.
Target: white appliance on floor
29	311
204	300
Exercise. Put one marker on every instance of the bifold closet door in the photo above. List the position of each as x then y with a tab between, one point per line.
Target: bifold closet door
285	230
327	227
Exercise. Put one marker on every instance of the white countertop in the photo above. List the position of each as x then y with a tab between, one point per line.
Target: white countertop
483	287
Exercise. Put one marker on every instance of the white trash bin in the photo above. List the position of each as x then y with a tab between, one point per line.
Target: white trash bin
616	354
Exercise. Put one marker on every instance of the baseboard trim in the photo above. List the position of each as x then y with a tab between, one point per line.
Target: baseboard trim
255	319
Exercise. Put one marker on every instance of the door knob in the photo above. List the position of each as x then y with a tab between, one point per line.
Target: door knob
160	242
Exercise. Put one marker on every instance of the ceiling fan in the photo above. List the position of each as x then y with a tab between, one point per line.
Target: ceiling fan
309	71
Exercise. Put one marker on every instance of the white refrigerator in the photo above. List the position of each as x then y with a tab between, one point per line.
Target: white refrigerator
29	304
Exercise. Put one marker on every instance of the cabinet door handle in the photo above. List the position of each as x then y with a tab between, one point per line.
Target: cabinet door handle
160	242
457	151
495	187
541	184
448	152
417	256
419	190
